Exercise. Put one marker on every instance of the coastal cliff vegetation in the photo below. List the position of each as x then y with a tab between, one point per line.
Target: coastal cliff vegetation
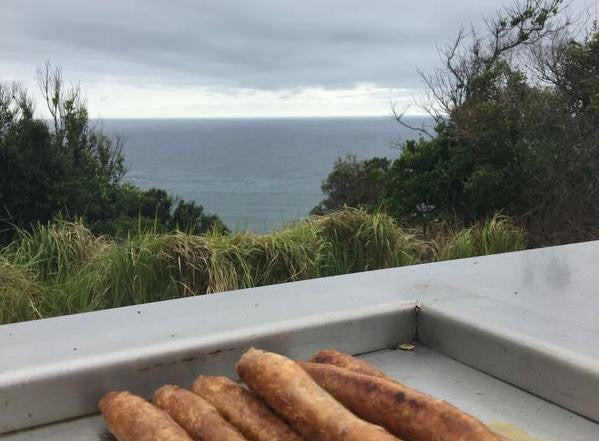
66	166
514	128
511	160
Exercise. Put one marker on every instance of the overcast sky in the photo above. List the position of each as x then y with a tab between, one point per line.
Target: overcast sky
215	58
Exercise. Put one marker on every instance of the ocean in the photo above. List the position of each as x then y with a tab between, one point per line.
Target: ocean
255	174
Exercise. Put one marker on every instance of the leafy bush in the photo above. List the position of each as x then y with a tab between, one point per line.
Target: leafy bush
516	115
354	183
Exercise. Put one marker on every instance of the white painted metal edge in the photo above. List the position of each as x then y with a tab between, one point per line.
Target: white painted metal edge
56	392
553	372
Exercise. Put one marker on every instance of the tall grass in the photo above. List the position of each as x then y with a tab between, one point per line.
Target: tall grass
496	235
361	241
62	268
55	249
20	294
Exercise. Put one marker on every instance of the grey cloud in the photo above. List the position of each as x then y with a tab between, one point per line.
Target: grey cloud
261	44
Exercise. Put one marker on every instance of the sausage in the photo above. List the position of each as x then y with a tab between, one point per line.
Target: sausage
244	410
197	416
131	418
403	411
331	356
313	412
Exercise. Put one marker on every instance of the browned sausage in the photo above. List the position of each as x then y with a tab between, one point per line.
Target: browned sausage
331	356
288	389
403	411
131	418
197	416
244	410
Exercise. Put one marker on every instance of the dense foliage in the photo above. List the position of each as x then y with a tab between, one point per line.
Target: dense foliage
516	130
355	183
68	166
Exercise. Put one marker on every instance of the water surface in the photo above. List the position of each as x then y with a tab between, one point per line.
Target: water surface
254	173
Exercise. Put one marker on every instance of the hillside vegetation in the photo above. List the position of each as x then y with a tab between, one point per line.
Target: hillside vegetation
62	268
66	166
515	129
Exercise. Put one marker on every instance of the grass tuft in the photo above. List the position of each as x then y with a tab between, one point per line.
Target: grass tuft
361	241
55	249
20	294
496	235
